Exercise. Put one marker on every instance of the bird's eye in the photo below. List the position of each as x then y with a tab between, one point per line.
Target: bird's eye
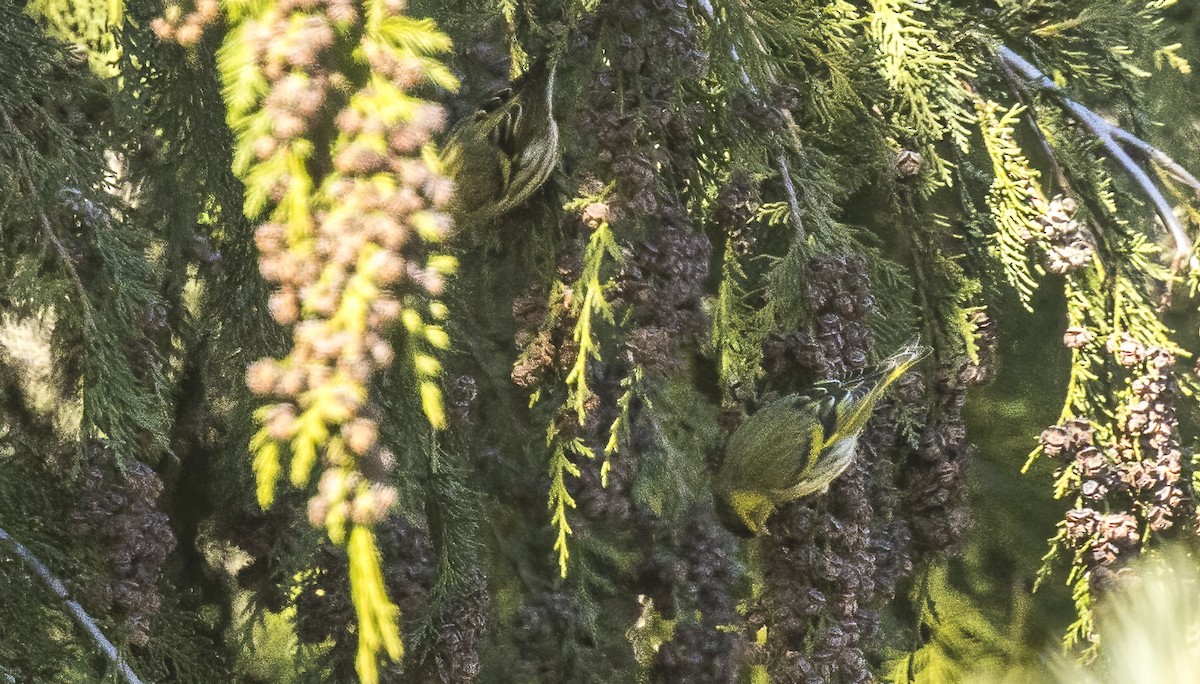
496	101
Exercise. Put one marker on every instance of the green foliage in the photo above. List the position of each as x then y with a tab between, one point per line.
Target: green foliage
739	327
1015	199
964	644
925	75
59	116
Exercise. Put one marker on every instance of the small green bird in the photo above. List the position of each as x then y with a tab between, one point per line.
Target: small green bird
798	445
505	151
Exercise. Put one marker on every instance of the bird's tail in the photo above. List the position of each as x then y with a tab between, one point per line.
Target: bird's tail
871	388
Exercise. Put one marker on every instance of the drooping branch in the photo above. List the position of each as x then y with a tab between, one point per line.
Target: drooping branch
48	229
1114	138
785	172
76	610
1158	157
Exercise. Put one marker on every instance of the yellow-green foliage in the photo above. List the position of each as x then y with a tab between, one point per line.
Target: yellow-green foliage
377	615
1107	302
767	132
90	24
926	76
619	430
587	304
560	499
584	300
313	198
1015	199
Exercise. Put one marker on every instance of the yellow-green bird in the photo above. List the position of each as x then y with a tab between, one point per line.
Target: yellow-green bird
507	149
798	445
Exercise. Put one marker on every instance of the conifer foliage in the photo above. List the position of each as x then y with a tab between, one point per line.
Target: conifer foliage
401	341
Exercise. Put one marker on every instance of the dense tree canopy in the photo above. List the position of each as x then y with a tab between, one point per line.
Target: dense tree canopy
411	341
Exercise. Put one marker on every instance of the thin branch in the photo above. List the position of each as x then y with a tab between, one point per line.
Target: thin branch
785	172
1111	136
1159	157
793	201
1018	88
48	229
76	610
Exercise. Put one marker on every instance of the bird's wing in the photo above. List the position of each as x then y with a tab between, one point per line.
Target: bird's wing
856	409
835	459
535	135
472	158
773	448
503	132
517	143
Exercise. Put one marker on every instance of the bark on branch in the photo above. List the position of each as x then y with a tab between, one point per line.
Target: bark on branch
76	610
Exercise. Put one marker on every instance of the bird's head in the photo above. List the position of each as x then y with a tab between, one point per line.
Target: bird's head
506	150
743	513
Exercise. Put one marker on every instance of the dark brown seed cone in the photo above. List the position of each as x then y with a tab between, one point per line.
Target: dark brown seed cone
324	609
933	477
737	200
820	627
664	283
460	398
891	538
121	511
549	625
541	348
261	535
1132	485
704	571
830	561
611	505
457	632
631	110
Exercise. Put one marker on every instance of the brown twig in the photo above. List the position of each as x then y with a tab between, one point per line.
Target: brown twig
48	229
785	172
1060	177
